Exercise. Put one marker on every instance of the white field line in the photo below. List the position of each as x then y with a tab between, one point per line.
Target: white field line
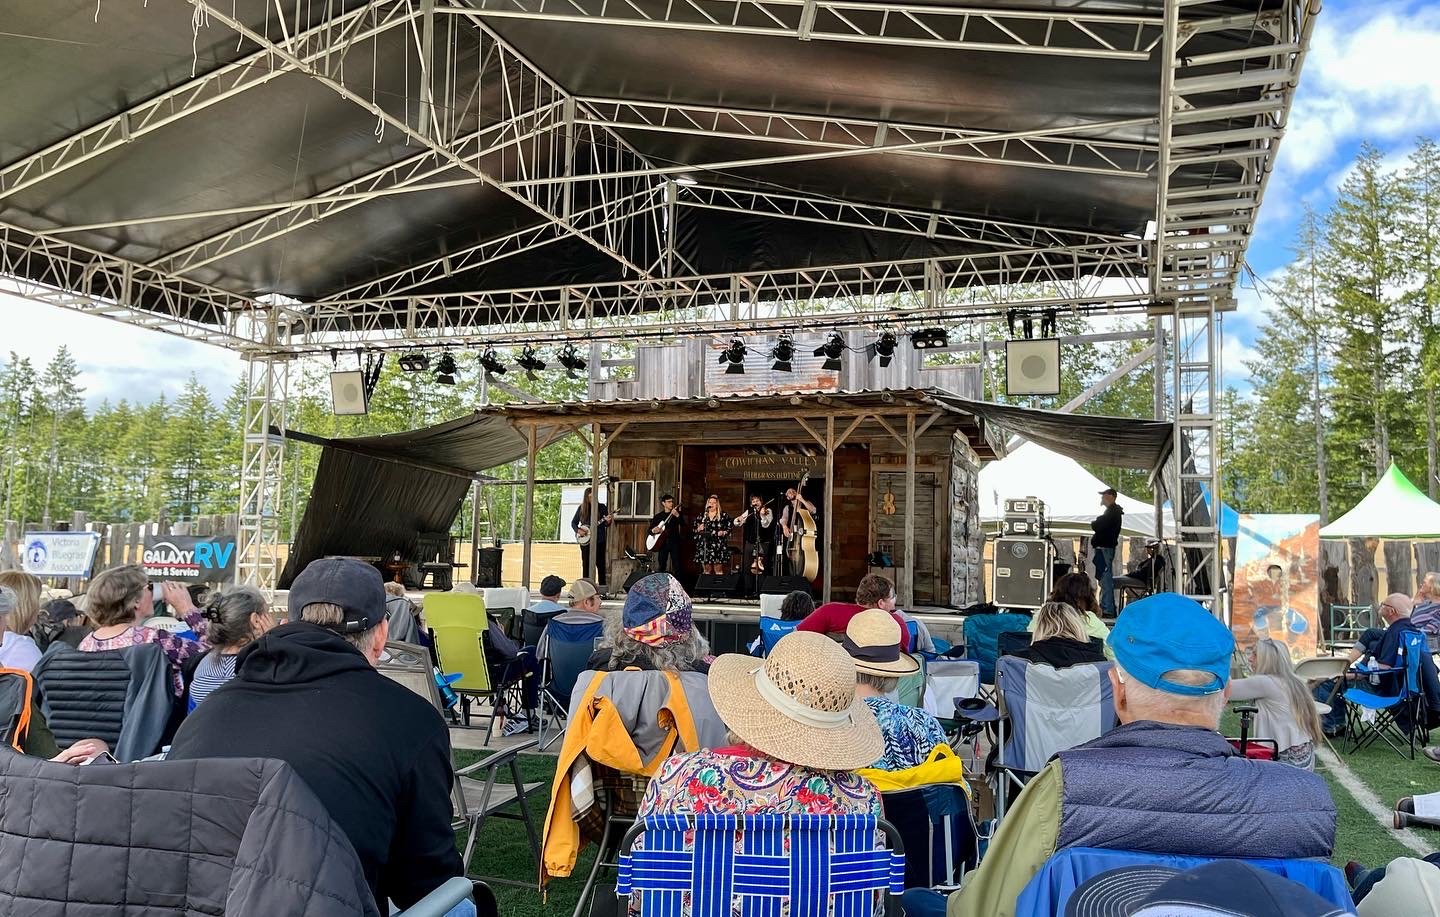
1372	804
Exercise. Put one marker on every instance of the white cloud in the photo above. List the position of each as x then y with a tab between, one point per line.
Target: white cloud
116	360
1234	354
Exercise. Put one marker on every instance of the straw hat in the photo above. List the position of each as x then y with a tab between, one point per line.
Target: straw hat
798	704
872	638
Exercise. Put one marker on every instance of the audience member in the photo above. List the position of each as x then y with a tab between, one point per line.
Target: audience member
1384	647
1426	612
1218	888
376	753
1406	886
121	598
60	620
873	641
1285	710
794	608
535	617
236	618
509	662
404	626
1060	639
18	650
1078	591
874	591
1184	790
654	631
584	608
27	591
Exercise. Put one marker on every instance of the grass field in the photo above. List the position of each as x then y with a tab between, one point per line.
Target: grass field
503	849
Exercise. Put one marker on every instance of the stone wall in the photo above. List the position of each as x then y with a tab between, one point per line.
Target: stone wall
967	539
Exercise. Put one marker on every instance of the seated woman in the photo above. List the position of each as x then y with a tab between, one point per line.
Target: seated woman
236	618
18	649
655	631
1285	710
1060	639
1078	591
795	608
798	731
120	599
873	641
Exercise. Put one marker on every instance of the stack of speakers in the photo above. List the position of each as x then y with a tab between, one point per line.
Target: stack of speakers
1024	558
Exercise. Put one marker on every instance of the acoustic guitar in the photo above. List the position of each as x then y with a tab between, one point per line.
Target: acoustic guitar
655	539
804	556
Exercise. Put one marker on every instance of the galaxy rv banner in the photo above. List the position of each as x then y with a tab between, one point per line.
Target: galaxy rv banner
190	558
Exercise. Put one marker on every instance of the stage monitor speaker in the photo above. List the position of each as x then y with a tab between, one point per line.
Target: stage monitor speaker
347	392
712	585
487	567
784	585
1032	367
1023	567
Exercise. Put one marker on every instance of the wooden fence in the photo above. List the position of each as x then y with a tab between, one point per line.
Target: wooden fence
120	543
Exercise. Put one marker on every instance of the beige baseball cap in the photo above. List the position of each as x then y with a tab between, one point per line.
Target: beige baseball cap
580	590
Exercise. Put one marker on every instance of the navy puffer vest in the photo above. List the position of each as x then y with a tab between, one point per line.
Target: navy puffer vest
1163	788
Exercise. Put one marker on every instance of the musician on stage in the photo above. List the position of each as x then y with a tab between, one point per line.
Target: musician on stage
712	538
789	519
759	534
580	525
668	524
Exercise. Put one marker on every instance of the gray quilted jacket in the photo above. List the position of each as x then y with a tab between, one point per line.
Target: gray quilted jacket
242	837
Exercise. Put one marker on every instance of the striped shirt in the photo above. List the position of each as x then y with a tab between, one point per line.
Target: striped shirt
212	672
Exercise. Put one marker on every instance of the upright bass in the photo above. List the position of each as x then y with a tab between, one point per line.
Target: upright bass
804	556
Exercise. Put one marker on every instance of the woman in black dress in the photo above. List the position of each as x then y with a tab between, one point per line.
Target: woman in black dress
712	538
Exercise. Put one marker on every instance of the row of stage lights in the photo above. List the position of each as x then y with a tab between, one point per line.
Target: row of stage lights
529	360
782	355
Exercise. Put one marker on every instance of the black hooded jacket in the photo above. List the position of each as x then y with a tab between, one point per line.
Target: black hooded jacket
376	754
1107	527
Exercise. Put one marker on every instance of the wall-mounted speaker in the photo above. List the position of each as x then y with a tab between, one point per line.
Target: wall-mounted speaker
347	392
1032	367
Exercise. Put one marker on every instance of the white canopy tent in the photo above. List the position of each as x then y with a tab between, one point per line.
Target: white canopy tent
1394	508
1071	494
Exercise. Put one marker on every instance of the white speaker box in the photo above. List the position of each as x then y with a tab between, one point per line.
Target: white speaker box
347	392
1032	367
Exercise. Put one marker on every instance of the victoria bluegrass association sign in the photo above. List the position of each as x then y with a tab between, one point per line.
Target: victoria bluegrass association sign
190	558
60	553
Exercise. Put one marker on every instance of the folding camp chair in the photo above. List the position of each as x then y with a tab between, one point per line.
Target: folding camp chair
910	690
938	830
1386	710
564	652
982	639
461	650
1050	889
1348	622
831	864
1045	710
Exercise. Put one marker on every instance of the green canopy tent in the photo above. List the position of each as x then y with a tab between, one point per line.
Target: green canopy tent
1395	508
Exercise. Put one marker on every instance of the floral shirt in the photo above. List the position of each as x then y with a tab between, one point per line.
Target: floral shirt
177	649
909	732
734	782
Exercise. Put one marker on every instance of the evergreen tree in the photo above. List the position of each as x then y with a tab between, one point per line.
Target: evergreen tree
1420	223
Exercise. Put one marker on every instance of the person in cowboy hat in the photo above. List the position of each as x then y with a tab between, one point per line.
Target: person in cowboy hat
872	638
798	733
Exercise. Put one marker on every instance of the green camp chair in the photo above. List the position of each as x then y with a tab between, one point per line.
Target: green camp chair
461	649
446	609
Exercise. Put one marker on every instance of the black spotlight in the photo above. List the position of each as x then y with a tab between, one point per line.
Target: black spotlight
733	357
491	363
831	350
930	338
782	353
571	360
530	362
414	362
1049	322
445	369
884	348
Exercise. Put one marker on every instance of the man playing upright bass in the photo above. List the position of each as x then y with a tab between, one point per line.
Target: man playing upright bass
789	524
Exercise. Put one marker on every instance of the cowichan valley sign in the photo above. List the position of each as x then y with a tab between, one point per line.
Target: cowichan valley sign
767	467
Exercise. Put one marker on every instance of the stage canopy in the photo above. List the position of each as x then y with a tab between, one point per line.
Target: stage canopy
1071	494
1394	508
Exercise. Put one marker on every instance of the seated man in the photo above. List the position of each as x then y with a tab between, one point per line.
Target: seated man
874	591
538	615
403	625
1148	573
1184	789
584	609
1383	647
376	753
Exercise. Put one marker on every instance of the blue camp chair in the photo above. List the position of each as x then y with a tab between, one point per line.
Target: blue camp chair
982	639
1407	700
771	630
832	859
1050	889
566	650
936	824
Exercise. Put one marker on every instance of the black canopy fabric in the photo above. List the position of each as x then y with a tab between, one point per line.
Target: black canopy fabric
1120	442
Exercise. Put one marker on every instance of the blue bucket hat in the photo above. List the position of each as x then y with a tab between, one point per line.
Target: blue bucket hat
1164	632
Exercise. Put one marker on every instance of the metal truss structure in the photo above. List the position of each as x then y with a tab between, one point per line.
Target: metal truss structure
571	164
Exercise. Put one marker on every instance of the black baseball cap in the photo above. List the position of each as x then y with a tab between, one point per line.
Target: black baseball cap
1110	492
1222	888
353	585
551	585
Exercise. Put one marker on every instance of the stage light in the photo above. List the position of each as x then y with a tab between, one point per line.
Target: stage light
415	362
733	357
884	348
571	360
930	339
445	369
491	363
1010	316
1048	323
831	350
529	362
1028	325
782	353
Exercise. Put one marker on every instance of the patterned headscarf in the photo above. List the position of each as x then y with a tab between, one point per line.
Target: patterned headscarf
657	611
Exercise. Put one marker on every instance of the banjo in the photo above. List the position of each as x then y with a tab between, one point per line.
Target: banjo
582	534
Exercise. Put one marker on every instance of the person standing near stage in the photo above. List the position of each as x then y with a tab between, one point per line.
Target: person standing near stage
668	523
759	534
712	538
1104	542
580	525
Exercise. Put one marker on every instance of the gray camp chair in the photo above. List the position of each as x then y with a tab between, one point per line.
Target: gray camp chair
1046	710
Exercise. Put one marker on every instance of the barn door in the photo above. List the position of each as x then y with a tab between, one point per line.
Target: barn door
888	512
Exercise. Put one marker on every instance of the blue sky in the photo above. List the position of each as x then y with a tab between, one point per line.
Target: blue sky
1373	73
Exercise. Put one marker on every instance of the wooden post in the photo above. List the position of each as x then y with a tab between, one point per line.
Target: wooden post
475	530
529	527
9	560
907	574
593	548
77	524
827	554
